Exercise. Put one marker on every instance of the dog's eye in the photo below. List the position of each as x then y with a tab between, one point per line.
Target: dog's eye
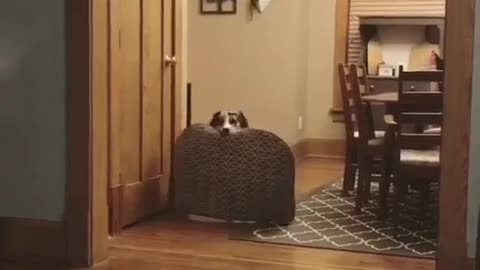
233	121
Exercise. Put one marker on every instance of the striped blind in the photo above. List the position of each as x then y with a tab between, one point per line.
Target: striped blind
386	8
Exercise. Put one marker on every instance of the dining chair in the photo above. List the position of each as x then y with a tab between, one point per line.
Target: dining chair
430	76
369	147
416	156
351	128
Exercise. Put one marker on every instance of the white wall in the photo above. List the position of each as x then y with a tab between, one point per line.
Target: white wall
474	169
32	109
397	42
321	71
274	66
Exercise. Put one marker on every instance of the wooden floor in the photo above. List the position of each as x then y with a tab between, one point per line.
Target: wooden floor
165	243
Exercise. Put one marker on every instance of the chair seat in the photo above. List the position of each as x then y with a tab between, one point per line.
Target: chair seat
420	157
376	142
378	134
433	130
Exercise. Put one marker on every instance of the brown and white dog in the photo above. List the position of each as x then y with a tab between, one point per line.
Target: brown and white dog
228	122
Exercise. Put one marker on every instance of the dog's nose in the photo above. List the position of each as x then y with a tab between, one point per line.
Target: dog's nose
226	130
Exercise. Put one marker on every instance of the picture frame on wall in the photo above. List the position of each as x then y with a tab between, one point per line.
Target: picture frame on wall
386	70
218	7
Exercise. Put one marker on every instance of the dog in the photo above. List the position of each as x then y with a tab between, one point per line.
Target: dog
229	122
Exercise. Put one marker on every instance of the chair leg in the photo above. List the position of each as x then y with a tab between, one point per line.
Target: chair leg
367	184
398	192
366	191
348	175
362	178
424	192
403	192
384	187
353	176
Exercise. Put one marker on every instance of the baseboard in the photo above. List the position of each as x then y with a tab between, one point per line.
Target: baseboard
472	264
299	150
318	148
32	241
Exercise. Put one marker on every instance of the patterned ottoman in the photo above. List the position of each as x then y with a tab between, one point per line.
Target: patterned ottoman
246	176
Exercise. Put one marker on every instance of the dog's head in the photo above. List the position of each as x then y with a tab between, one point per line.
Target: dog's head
229	121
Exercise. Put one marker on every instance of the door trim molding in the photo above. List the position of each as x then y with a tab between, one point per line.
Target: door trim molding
459	39
78	199
15	232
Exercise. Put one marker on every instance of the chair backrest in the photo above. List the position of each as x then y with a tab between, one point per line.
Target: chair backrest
418	108
364	86
361	111
347	100
419	101
431	76
408	139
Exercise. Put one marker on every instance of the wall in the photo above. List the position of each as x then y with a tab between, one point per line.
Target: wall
321	71
397	42
32	109
274	66
382	8
474	171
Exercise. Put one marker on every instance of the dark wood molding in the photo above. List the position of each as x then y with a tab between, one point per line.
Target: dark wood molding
100	79
342	21
299	150
32	241
337	115
318	148
452	245
78	105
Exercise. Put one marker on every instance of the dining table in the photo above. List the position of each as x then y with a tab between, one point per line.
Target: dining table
386	98
390	101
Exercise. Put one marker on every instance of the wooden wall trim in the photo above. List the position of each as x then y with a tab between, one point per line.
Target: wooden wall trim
100	113
299	150
318	148
342	19
32	241
78	105
452	247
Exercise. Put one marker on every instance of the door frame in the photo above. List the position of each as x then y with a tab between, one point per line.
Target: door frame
86	210
86	203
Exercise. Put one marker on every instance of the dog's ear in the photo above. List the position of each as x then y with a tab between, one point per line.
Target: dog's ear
215	121
242	120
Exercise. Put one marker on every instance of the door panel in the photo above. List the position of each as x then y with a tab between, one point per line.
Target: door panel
129	122
140	109
115	88
152	86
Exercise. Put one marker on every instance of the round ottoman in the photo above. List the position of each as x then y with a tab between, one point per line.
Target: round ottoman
246	176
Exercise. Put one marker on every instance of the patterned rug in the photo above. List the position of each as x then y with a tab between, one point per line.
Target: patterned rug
328	220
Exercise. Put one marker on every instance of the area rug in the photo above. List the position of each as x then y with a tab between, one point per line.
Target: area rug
327	220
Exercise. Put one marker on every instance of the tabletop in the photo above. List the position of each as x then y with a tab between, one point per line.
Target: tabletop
389	97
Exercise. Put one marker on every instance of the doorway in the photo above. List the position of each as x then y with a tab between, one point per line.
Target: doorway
453	194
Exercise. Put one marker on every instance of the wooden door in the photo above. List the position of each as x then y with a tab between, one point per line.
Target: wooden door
140	120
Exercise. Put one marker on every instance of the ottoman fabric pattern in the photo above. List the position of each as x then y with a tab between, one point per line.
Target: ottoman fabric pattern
246	176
